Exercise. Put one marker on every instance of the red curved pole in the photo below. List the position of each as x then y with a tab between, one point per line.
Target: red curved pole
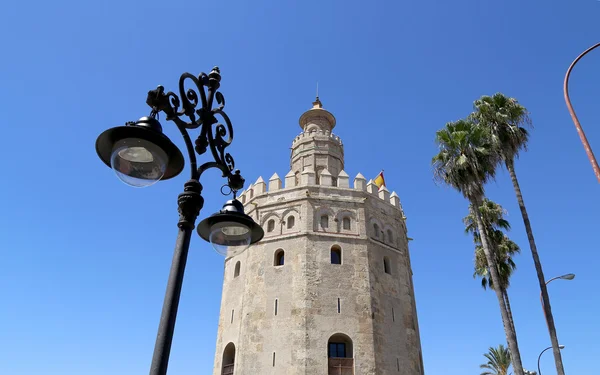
586	144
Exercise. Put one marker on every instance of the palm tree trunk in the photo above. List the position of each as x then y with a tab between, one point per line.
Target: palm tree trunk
511	337
510	165
509	311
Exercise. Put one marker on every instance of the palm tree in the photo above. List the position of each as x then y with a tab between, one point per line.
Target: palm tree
498	361
504	249
506	120
465	162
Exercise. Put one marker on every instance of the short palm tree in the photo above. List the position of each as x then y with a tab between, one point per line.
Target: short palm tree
466	161
498	361
507	120
504	249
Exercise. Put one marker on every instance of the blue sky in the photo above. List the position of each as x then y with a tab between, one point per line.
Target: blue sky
84	258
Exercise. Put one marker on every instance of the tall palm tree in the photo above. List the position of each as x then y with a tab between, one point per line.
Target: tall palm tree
504	249
507	120
465	162
498	361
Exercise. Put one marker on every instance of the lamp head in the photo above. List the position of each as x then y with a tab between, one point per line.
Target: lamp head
230	231
569	276
139	153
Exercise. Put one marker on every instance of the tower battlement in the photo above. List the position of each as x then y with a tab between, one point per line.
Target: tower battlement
304	136
308	179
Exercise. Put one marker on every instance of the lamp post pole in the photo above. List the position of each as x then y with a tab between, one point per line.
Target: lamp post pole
569	276
586	144
141	155
540	357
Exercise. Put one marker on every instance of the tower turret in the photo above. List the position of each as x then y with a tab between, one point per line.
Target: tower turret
317	148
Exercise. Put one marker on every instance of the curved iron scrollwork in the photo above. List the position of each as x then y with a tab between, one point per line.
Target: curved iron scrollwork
193	108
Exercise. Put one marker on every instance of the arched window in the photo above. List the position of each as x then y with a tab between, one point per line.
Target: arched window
386	265
236	272
346	223
290	222
324	221
270	225
279	258
340	353
376	230
228	359
336	254
390	236
297	178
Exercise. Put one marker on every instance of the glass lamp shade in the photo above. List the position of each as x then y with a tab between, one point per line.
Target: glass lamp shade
230	231
139	153
229	238
137	162
569	276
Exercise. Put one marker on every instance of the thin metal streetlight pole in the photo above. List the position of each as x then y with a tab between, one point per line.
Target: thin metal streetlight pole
586	144
568	276
540	357
564	277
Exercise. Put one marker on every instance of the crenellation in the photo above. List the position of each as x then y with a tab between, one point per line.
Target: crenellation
326	178
274	182
305	136
260	186
307	177
395	200
360	182
384	194
343	180
372	188
290	180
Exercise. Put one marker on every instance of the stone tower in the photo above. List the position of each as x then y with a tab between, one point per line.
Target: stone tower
329	288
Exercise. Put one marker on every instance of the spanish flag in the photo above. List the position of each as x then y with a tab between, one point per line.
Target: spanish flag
379	180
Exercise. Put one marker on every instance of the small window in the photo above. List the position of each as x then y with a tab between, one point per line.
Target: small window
339	346
334	181
290	222
376	230
346	223
336	255
279	258
236	272
271	225
386	265
324	221
390	236
297	178
337	350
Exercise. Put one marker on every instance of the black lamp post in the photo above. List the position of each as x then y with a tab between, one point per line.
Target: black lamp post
141	155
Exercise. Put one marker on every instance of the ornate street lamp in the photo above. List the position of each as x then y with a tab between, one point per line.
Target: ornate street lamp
141	155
